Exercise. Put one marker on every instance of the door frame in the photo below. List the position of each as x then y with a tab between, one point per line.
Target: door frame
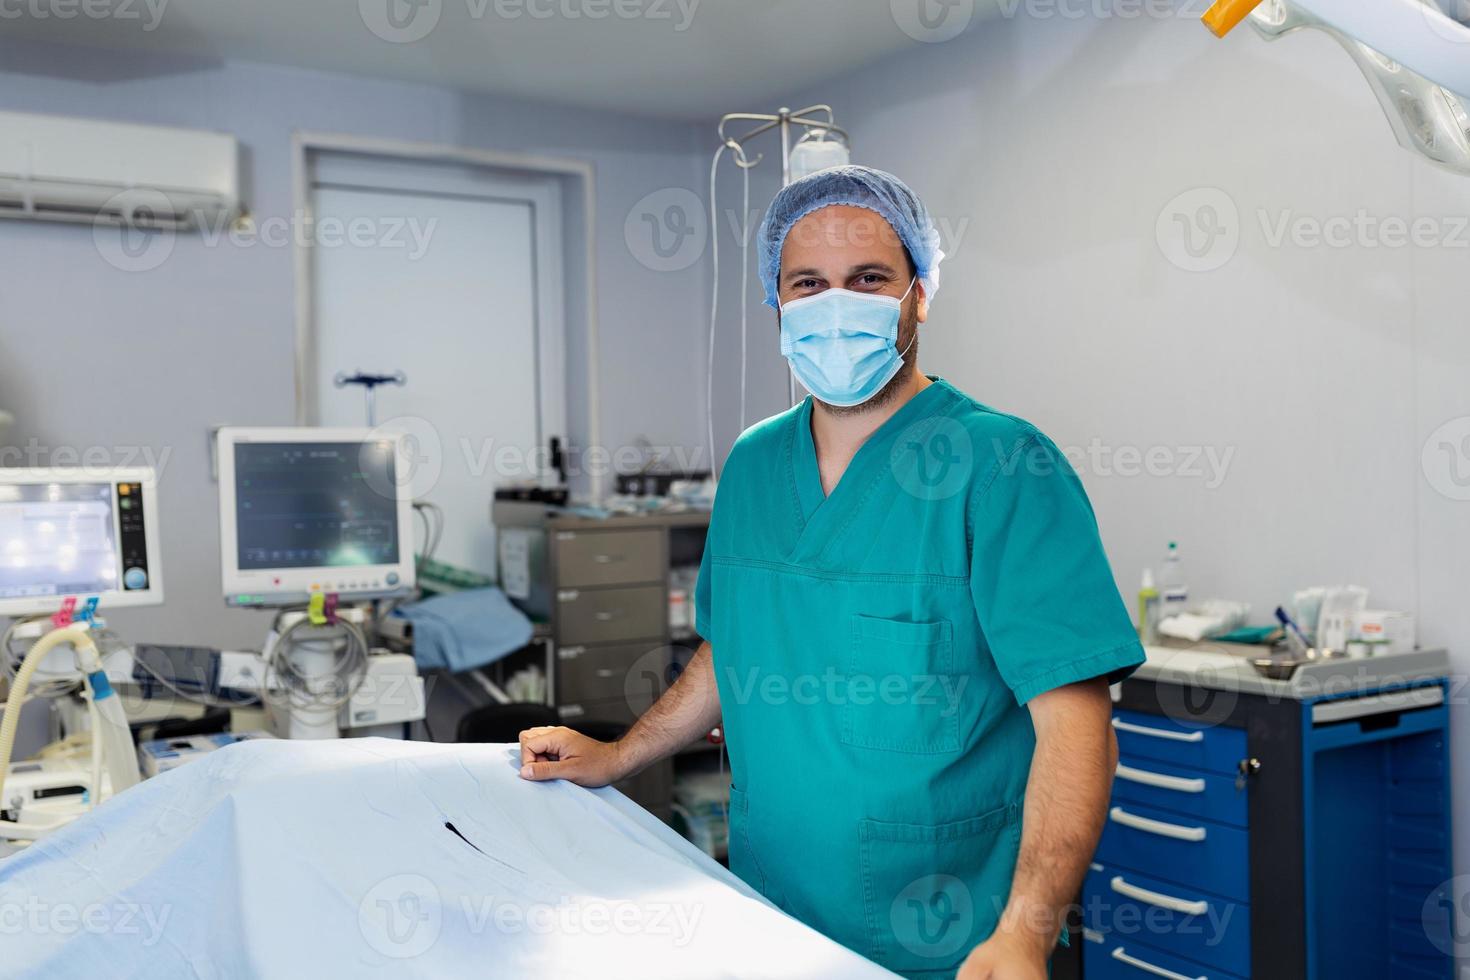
304	143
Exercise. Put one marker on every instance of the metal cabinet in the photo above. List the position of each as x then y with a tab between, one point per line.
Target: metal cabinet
601	585
1171	876
1261	829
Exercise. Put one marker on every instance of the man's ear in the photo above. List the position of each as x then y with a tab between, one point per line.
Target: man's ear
921	303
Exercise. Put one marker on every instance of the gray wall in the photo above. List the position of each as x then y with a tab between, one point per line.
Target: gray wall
1055	144
124	363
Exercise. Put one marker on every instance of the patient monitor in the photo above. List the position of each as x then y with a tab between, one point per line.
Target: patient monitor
78	533
84	539
317	523
306	511
73	543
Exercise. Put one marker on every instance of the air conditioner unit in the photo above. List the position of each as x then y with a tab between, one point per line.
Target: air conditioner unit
54	168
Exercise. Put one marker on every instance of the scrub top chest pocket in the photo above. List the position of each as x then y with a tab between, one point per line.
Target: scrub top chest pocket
901	693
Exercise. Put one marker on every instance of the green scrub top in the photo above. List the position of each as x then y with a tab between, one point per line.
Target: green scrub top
874	651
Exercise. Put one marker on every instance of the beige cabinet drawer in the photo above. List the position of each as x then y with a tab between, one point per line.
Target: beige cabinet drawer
591	558
611	615
615	711
605	673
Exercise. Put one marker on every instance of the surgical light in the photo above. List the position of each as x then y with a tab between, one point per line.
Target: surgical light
1413	54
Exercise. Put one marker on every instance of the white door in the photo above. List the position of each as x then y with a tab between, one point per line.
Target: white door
452	276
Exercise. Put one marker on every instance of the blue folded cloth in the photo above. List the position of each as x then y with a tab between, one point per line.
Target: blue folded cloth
464	630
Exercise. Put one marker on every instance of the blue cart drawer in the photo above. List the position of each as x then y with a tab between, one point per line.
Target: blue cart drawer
1107	959
1211	747
1192	851
1131	909
1180	790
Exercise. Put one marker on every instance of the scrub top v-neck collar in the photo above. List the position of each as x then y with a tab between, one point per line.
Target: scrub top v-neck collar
820	513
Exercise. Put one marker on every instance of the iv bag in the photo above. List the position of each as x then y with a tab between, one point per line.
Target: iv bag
1426	117
817	150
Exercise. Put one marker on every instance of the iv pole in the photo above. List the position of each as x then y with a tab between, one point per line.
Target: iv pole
369	383
815	117
784	119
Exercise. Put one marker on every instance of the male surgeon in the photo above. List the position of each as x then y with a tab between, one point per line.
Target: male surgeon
910	625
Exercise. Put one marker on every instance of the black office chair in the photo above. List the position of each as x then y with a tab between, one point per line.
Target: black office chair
505	722
212	722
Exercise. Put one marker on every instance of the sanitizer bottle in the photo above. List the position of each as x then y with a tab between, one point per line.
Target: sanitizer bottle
1148	609
1174	593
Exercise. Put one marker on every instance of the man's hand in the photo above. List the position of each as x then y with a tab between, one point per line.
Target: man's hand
560	753
1004	956
1066	804
686	711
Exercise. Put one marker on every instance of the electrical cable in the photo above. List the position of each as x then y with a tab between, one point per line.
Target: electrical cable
197	697
744	291
433	530
350	662
94	720
433	536
745	166
79	640
714	310
422	515
10	659
440	521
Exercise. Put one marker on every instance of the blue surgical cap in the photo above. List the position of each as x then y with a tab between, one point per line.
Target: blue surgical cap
861	187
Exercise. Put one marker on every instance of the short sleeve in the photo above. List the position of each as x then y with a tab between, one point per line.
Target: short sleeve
1043	590
702	590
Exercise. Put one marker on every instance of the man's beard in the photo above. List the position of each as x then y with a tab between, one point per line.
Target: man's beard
908	327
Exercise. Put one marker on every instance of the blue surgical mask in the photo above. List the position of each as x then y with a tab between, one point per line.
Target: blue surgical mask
843	345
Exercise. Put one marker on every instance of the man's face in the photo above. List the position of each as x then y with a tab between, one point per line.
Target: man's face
847	247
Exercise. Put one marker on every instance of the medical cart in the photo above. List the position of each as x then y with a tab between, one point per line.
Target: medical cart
1277	829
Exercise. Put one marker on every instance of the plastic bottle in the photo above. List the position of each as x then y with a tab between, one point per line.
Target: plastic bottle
1174	593
1148	609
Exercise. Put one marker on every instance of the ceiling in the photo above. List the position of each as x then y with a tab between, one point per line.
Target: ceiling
679	59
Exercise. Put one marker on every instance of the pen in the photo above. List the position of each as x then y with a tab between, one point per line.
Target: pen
1292	627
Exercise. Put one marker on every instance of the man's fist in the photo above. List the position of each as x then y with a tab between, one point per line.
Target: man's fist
560	753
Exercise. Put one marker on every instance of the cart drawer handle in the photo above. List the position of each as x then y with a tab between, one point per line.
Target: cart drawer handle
1123	726
1119	815
1160	781
1158	971
607	559
608	615
1159	899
